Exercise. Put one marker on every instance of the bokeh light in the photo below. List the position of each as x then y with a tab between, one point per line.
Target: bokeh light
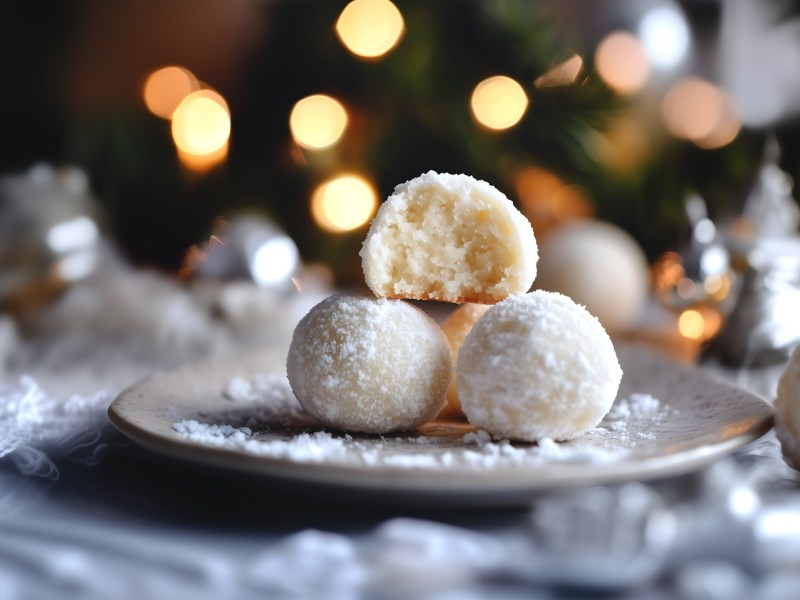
692	108
343	203
165	88
201	125
565	73
77	265
71	235
625	144
370	28
691	324
622	62
665	36
700	323
549	202
274	261
727	127
697	110
499	102
317	121
200	163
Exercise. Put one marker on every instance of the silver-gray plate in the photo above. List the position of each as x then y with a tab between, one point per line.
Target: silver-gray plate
700	419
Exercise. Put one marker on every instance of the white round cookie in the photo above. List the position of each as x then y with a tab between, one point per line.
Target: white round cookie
787	409
449	237
369	365
537	366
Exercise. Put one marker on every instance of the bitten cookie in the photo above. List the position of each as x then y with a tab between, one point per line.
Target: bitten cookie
537	366
787	409
449	237
369	365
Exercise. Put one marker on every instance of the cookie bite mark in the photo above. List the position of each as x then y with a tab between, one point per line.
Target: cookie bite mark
451	238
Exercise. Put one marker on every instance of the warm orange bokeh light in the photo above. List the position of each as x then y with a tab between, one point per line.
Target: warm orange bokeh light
165	88
498	102
317	121
625	144
726	128
370	28
343	203
692	108
700	323
201	125
699	111
200	163
691	324
667	271
622	62
548	201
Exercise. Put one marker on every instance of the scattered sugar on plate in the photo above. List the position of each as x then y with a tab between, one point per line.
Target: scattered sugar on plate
263	418
635	406
265	403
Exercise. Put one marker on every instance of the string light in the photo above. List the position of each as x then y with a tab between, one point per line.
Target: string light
625	143
274	261
665	36
622	62
691	324
317	121
700	323
549	202
165	88
499	102
201	127
201	163
370	28
343	203
727	127
697	110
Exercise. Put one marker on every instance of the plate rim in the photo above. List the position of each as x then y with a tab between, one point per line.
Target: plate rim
504	481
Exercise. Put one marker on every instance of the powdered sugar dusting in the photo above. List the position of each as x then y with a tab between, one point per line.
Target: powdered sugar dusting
264	419
628	418
265	403
537	365
369	365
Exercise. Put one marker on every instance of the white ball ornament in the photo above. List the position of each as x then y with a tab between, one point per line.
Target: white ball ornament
600	266
787	409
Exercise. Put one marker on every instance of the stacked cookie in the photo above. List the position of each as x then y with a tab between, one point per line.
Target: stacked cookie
528	365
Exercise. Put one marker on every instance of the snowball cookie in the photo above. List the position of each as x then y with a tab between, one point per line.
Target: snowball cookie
600	266
369	365
787	409
537	366
456	327
449	237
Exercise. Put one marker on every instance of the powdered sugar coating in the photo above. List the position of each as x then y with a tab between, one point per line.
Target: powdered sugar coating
449	237
537	366
369	365
787	409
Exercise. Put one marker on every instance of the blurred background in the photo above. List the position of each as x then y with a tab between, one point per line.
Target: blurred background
177	126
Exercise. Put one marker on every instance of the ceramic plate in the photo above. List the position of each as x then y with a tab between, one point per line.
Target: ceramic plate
668	419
